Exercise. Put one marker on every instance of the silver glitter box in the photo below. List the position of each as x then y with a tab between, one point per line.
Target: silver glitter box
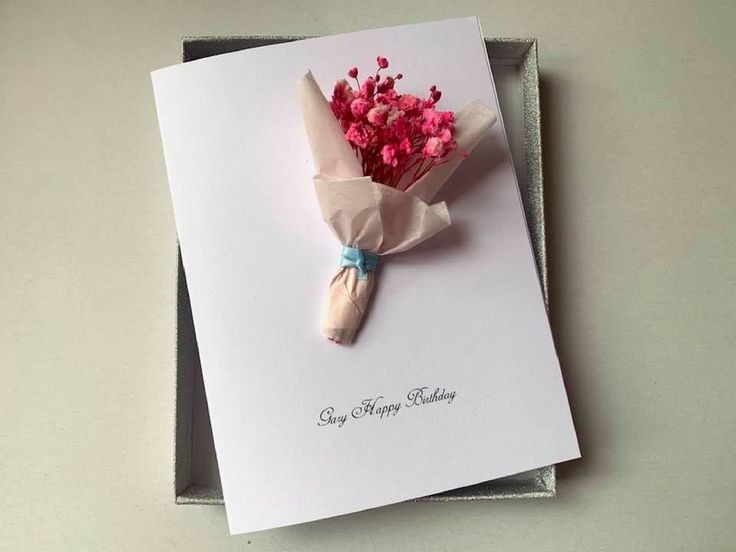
514	64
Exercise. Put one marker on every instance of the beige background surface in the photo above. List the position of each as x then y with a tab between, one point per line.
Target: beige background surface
639	145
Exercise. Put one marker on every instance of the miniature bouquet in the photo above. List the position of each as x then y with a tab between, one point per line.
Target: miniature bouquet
380	158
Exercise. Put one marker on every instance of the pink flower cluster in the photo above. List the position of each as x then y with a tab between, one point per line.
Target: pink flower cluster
397	137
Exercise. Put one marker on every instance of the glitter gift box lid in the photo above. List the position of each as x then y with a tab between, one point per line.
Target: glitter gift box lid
514	64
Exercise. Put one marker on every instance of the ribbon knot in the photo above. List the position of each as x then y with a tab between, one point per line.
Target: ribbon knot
363	261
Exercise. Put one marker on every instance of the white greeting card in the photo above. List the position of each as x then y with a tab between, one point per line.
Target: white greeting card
453	379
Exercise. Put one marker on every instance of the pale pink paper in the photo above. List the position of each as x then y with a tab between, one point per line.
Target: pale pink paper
370	215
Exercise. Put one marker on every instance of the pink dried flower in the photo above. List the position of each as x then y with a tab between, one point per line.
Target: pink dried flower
382	62
393	115
445	135
407	102
360	106
388	153
386	84
342	92
433	147
378	115
358	134
353	73
405	146
368	88
431	121
401	127
387	97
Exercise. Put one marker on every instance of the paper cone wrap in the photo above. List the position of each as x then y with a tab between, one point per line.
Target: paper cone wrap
369	215
347	301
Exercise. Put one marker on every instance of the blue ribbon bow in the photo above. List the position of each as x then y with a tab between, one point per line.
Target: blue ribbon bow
360	259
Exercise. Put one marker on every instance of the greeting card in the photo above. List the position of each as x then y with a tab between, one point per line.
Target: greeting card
446	374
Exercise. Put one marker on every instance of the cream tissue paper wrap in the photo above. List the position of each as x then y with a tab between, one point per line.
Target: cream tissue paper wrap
368	215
